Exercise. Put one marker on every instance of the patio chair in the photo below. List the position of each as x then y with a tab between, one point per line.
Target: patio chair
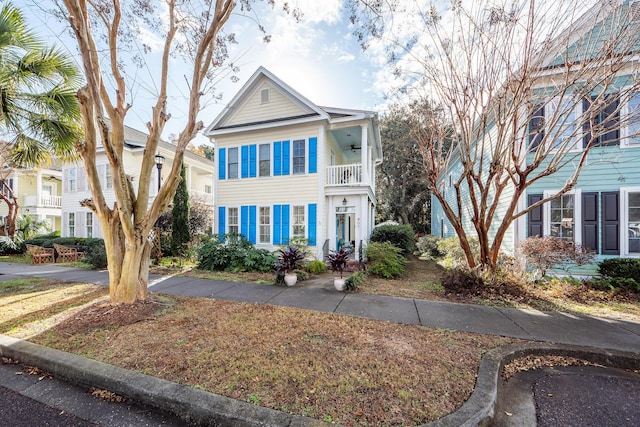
67	254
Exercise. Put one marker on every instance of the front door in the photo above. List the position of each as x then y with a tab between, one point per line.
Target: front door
345	227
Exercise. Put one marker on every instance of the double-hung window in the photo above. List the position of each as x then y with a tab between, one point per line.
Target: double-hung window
73	180
561	116
299	157
265	225
72	224
561	218
633	222
632	120
233	221
232	163
299	229
89	224
108	177
264	153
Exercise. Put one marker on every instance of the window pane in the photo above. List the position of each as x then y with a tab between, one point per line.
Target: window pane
634	119
233	220
233	163
561	221
265	225
265	160
299	229
298	156
562	117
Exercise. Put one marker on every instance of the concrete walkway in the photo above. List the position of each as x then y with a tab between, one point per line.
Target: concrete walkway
552	327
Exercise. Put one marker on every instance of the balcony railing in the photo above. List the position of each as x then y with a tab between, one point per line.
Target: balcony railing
344	175
45	201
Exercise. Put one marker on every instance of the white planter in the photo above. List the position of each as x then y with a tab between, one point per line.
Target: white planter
290	279
339	283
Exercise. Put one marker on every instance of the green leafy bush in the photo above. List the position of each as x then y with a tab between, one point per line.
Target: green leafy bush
301	275
235	253
95	254
354	281
620	268
385	260
400	236
427	246
454	256
316	267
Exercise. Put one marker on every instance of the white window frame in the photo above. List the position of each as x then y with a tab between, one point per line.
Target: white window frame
108	176
73	180
577	214
237	224
295	224
624	221
208	189
266	225
304	158
89	224
238	163
577	114
626	141
71	230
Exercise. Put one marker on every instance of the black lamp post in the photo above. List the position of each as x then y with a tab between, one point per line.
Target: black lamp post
159	161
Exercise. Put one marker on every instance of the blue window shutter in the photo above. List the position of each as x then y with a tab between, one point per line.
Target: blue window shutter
222	226
312	224
285	224
245	161
222	163
286	157
244	221
313	155
277	158
252	161
252	224
276	224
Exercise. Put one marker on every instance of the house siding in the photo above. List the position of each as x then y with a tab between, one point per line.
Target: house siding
278	106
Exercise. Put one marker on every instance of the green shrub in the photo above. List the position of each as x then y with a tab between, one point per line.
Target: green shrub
354	281
400	236
316	267
301	275
454	256
385	260
427	246
95	254
235	253
622	268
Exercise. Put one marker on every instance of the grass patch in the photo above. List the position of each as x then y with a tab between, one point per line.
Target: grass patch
245	276
23	259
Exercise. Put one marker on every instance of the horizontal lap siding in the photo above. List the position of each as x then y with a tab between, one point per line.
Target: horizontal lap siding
267	135
279	106
268	190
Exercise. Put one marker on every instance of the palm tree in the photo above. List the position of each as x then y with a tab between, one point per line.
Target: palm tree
39	111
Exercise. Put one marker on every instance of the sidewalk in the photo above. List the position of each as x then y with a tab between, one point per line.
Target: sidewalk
552	327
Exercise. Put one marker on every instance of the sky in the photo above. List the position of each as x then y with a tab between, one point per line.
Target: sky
318	57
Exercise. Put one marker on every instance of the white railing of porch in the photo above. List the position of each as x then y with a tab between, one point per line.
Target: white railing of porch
344	174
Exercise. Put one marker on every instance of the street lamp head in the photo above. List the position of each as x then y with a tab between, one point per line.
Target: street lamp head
159	160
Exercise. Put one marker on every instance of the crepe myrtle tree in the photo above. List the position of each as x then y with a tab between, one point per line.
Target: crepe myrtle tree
513	92
106	32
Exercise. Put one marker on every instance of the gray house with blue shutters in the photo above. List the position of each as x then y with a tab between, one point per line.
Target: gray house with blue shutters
602	211
287	168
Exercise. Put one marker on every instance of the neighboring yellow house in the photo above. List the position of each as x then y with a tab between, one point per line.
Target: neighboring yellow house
287	168
78	221
39	194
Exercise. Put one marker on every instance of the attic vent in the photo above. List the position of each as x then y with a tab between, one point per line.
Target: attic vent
264	96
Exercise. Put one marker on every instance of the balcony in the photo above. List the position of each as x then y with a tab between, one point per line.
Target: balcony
45	201
344	175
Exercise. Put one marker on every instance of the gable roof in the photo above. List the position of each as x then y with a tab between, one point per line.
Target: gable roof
309	112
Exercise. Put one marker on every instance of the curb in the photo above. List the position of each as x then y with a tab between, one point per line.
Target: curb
190	404
479	410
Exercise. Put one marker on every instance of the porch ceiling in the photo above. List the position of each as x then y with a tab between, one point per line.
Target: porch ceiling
349	139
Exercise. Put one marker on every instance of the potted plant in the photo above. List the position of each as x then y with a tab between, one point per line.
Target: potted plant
288	261
337	262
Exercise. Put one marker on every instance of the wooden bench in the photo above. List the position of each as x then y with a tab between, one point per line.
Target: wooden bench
40	255
67	254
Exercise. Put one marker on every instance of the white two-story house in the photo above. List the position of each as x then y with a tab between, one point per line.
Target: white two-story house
287	168
78	221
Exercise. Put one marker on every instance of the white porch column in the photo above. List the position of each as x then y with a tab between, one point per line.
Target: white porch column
188	177
364	153
38	188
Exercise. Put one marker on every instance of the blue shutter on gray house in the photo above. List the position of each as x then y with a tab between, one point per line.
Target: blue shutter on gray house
534	217
222	163
312	224
610	223
221	222
590	230
313	155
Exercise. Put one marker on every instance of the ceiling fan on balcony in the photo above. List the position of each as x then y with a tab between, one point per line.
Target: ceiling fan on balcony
354	148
